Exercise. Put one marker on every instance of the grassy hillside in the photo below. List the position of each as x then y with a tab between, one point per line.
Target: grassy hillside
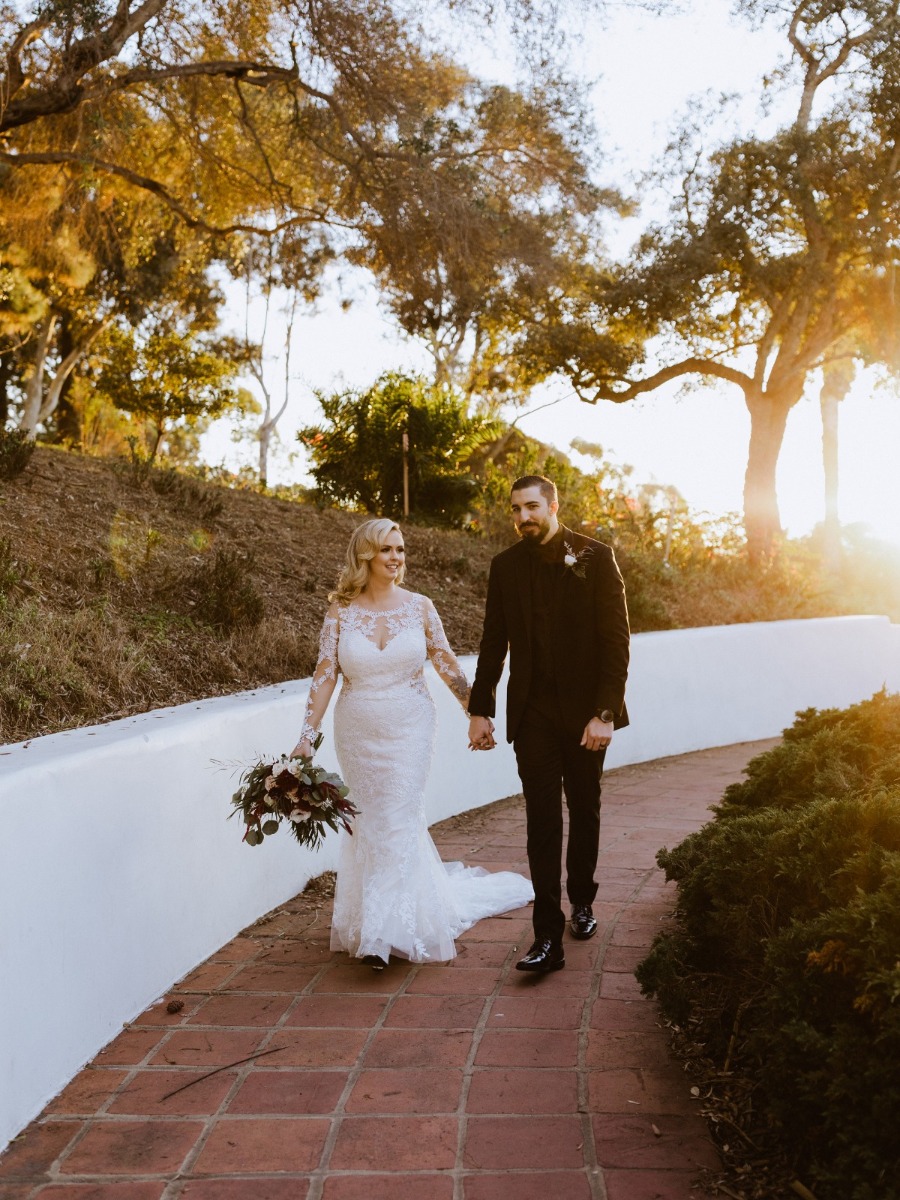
119	595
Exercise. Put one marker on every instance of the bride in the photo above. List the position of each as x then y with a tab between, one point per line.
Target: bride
393	893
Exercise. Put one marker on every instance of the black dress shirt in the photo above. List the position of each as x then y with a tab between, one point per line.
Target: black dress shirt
546	569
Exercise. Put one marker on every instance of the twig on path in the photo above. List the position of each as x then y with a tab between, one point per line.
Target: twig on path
803	1192
720	1116
228	1066
728	1192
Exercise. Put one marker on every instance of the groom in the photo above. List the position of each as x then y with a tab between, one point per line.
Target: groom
556	602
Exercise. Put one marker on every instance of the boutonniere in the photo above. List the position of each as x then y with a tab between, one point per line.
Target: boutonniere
575	562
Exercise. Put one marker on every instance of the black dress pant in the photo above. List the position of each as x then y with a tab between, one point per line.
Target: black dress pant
550	760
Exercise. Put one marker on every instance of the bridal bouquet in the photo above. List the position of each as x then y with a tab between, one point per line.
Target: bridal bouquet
293	790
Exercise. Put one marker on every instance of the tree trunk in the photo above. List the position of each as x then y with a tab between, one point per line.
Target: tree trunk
266	432
256	362
66	367
67	422
265	440
5	376
151	460
34	389
837	379
762	520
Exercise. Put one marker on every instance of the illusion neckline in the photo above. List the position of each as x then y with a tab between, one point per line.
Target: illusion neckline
382	612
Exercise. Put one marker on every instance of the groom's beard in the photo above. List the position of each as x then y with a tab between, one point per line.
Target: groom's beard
533	531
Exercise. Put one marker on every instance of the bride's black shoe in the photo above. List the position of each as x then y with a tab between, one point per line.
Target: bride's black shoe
374	961
545	955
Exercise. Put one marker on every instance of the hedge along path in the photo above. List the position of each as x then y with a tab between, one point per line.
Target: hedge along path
786	961
288	1073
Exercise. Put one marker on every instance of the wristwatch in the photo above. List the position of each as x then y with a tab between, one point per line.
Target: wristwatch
607	716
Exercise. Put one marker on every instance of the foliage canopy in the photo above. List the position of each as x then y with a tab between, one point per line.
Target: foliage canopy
357	452
147	146
779	254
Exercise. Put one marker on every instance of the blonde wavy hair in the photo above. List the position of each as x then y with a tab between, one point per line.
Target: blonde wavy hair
365	542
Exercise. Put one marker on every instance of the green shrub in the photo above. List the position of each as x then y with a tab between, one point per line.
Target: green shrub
829	753
357	456
192	497
830	1026
227	596
786	956
16	449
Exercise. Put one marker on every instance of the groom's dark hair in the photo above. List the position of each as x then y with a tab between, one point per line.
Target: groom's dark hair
547	486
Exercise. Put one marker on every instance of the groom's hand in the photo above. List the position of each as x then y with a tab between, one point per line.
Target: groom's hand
597	734
481	733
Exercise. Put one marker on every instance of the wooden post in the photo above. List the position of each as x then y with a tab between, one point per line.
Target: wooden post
405	473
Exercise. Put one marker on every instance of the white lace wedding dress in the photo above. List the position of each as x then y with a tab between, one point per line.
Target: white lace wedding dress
393	894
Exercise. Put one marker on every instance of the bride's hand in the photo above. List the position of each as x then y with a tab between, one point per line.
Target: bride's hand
481	733
303	749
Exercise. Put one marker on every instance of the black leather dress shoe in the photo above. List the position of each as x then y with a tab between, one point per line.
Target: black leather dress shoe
374	961
583	923
544	955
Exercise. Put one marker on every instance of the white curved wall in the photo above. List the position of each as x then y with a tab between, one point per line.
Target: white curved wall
119	872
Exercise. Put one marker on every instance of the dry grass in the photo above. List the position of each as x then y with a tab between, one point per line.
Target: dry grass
106	590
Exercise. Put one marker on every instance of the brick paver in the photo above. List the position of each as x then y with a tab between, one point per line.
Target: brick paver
464	1081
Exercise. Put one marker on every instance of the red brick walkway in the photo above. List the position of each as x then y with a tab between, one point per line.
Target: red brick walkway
469	1081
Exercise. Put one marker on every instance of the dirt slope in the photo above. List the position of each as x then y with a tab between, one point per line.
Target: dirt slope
101	584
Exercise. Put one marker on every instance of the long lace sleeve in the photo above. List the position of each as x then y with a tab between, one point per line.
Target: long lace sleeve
442	657
324	677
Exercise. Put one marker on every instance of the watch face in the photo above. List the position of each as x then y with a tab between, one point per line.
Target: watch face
607	715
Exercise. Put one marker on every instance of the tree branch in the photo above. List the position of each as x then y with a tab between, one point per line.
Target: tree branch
800	47
62	158
65	95
67	366
230	170
251	129
15	76
126	24
782	314
688	366
260	74
817	71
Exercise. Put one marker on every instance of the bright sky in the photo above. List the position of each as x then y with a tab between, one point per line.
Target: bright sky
645	67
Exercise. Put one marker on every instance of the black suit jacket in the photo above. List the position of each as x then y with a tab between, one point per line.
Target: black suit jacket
590	640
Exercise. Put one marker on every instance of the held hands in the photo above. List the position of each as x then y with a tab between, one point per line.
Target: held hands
597	734
481	733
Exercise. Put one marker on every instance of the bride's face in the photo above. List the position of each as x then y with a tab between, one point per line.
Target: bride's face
389	558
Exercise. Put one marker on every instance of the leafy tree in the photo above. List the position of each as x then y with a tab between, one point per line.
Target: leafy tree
294	111
326	128
162	375
776	252
357	452
294	272
90	258
477	229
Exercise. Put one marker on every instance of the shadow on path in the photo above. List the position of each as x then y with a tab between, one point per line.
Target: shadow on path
465	1081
